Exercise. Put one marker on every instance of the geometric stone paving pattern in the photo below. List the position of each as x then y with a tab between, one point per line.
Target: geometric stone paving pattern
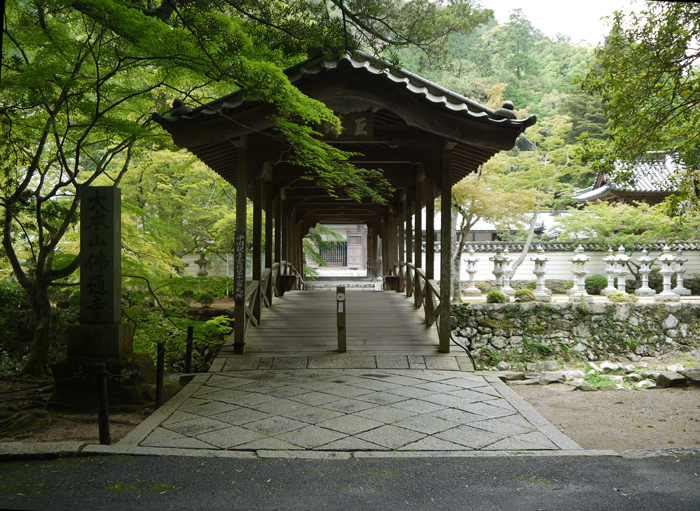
353	410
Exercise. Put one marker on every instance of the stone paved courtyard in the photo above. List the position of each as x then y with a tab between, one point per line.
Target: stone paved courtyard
358	411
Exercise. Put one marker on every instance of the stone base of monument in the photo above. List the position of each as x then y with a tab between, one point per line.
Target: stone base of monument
471	291
132	380
134	387
543	297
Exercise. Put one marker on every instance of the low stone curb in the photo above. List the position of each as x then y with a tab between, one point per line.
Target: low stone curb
27	450
327	455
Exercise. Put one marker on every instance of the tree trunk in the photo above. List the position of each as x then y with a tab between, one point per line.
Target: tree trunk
456	291
526	248
38	363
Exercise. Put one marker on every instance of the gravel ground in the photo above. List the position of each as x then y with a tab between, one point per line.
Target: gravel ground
620	420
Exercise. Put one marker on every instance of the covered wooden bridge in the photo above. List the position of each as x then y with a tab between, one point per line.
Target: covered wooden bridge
423	137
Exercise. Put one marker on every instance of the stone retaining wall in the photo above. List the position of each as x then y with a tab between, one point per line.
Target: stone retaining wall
524	332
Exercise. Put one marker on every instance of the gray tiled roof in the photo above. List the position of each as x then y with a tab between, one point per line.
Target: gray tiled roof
654	175
360	61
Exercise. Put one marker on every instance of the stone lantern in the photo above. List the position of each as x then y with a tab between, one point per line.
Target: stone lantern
579	261
202	263
506	274
666	259
471	261
645	269
610	261
541	292
621	269
680	270
499	262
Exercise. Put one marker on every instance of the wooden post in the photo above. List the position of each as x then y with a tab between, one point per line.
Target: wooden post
188	349
409	234
446	249
256	306
160	373
341	308
285	231
418	238
269	215
102	405
402	244
430	227
240	252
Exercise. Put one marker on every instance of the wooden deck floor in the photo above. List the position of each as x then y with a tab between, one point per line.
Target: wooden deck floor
303	323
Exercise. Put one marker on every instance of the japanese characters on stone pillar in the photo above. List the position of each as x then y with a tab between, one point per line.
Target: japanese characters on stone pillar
101	332
100	252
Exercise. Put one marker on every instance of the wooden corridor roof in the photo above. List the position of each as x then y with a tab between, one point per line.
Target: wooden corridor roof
409	122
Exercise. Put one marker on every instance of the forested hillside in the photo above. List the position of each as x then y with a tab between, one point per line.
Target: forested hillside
515	61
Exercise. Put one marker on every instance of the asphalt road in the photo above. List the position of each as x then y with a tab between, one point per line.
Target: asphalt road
517	483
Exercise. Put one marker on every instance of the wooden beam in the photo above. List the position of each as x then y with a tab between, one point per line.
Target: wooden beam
269	216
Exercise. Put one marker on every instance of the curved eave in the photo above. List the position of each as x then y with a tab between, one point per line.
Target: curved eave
451	105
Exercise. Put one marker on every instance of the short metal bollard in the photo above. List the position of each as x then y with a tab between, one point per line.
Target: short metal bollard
188	350
160	374
341	307
102	405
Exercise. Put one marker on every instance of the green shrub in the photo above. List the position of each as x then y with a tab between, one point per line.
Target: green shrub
532	285
496	297
595	284
524	295
205	299
620	297
480	286
692	282
12	296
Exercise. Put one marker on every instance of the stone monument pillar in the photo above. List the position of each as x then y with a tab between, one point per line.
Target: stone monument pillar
509	291
579	293
498	268
645	269
471	261
610	260
666	259
621	269
101	337
680	270
541	292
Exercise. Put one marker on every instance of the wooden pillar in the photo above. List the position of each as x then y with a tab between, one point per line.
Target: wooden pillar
429	227
402	230
300	251
285	230
269	215
256	306
446	250
239	255
409	236
291	249
418	238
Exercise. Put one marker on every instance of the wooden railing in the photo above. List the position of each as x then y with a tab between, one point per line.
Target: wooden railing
405	277
286	277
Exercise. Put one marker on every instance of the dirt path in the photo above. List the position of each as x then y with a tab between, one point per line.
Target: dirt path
620	420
